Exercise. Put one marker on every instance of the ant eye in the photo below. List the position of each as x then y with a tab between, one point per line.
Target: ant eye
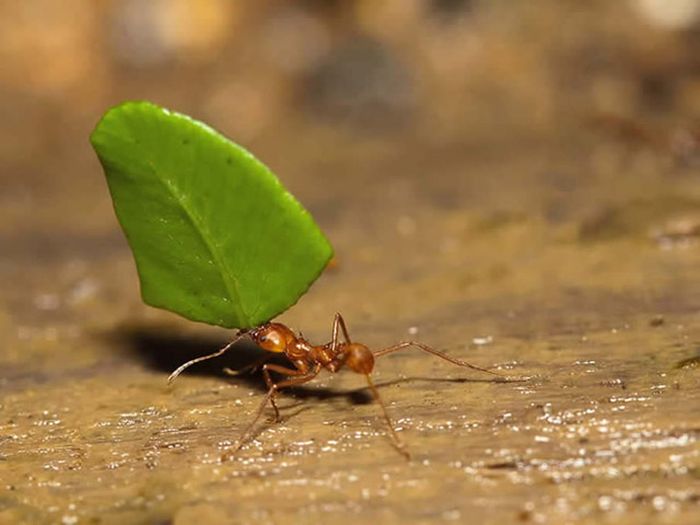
263	338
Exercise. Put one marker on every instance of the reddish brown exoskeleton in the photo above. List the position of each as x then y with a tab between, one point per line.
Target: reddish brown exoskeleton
308	360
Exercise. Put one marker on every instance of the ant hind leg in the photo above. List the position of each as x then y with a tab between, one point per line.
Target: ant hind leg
396	441
425	348
339	322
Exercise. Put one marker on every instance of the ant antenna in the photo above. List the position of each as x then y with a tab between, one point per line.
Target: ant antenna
219	352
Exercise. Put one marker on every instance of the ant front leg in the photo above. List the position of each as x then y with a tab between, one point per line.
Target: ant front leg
252	367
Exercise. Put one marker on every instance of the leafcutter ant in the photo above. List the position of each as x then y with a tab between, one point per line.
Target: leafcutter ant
307	360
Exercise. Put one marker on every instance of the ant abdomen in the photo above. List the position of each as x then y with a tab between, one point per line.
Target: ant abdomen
359	358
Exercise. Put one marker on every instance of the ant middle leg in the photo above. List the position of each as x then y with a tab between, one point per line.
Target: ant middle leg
425	348
270	396
294	373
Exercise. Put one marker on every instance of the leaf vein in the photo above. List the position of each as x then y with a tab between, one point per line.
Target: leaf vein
229	280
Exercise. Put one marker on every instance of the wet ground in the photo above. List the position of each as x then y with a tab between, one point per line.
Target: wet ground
515	183
567	259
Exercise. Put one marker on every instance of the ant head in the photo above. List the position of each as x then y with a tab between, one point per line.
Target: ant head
273	337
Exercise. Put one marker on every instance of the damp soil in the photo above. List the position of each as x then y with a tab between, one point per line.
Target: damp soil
570	264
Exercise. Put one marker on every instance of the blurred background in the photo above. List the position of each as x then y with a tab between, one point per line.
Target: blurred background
436	73
378	114
581	114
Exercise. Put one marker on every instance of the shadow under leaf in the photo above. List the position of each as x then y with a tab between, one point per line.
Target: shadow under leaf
161	349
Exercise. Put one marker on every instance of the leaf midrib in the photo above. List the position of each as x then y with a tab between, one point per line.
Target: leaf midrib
229	280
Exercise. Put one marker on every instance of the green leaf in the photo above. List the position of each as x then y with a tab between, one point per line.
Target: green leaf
215	235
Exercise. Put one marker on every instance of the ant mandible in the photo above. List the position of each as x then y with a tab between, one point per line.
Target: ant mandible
308	360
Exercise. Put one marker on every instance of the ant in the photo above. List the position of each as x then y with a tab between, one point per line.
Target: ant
308	360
